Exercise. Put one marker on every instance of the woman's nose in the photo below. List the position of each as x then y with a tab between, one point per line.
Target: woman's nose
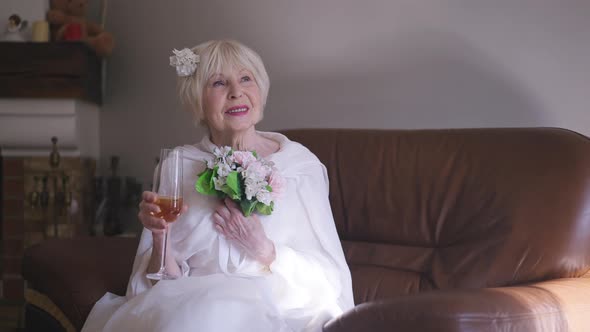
235	91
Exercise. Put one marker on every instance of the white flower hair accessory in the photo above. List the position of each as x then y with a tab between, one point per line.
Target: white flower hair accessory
185	61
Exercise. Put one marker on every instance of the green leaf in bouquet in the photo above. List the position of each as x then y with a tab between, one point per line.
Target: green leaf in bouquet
265	209
233	182
204	184
255	154
247	207
225	190
229	193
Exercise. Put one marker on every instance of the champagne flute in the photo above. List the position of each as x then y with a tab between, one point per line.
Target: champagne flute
168	186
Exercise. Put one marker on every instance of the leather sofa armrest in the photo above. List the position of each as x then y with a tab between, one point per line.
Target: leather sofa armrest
75	273
556	305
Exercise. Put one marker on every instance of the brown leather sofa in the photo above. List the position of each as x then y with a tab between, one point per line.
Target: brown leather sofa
443	230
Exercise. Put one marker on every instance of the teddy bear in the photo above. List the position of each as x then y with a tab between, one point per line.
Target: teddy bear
68	19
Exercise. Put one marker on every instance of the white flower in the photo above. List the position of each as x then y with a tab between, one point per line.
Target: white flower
254	186
251	188
256	170
264	197
185	61
221	152
223	170
223	157
219	182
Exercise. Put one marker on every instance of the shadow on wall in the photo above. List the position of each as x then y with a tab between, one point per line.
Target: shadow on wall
428	80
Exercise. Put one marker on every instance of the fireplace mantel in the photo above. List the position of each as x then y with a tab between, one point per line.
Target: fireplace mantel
65	70
49	89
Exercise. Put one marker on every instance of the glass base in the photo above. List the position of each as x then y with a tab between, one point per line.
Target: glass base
160	276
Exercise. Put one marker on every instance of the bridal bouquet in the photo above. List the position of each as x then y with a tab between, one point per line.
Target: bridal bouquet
250	181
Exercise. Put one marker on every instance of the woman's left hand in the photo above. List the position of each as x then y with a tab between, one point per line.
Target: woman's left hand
247	232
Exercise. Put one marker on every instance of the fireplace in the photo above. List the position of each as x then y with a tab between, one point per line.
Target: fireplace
43	199
46	90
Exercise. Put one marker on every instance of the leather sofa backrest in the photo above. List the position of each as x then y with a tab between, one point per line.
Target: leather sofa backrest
462	208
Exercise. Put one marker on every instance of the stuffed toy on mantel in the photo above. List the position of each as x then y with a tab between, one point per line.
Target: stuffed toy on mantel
68	17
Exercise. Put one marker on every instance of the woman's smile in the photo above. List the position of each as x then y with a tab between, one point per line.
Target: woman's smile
239	110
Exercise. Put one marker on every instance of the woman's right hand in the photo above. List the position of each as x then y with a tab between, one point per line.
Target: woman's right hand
147	209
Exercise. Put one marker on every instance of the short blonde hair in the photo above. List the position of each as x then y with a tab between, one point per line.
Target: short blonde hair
220	56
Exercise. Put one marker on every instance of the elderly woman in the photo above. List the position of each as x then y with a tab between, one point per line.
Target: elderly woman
280	272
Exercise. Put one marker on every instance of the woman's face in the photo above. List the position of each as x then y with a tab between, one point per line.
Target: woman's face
231	102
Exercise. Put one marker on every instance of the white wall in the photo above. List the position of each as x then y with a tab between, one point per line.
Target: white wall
28	124
362	64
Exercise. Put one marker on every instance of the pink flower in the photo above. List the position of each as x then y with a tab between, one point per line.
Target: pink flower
243	158
277	183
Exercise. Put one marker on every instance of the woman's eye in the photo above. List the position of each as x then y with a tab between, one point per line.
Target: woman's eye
218	83
246	79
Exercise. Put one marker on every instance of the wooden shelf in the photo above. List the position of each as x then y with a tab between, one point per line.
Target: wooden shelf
50	70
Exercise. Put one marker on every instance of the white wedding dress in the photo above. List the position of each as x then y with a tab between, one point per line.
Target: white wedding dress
224	290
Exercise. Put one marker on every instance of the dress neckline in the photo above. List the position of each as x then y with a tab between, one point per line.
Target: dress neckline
281	139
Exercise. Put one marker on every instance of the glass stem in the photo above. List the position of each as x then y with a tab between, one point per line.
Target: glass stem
163	261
